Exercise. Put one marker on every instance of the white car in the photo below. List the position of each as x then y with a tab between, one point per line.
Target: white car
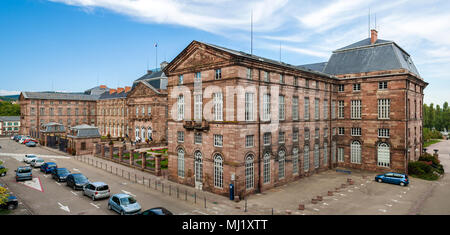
36	162
29	157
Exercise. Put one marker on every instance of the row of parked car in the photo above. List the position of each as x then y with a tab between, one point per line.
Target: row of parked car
123	204
26	140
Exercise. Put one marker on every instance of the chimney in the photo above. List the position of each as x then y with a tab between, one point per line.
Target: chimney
373	36
127	89
149	72
119	90
102	86
111	91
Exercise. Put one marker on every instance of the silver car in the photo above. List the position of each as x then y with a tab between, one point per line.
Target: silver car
37	162
96	190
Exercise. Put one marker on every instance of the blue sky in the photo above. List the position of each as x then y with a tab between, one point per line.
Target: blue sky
73	45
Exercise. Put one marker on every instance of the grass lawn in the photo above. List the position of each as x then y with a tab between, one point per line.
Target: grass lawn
4	212
430	142
151	163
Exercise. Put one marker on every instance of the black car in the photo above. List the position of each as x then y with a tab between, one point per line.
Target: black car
11	202
60	174
156	211
76	181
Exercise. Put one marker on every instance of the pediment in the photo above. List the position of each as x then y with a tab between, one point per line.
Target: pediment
141	90
198	55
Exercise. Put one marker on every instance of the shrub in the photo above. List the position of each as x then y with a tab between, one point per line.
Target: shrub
429	158
419	168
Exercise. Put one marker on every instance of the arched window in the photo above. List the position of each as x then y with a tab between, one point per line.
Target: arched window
306	158
325	153
266	168
249	172
181	163
355	149
383	155
137	132
281	163
316	156
198	166
218	171
295	161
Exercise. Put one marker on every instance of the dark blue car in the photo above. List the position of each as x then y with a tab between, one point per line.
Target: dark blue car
48	167
393	178
60	174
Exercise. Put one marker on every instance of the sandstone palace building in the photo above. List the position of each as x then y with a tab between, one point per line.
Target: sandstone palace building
228	117
256	123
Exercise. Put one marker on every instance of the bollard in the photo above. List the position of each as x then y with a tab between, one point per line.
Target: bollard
163	187
205	201
319	198
301	207
349	179
185	194
170	190
195	197
314	201
351	182
178	193
330	193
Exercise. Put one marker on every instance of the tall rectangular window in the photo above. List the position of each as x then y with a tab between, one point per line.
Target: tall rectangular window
218	106
180	79
218	74
249	73
325	109
316	109
198	77
295	81
266	107
218	140
295	136
295	108
281	78
249	141
180	136
267	139
198	104
357	87
340	109
383	108
180	107
340	154
341	131
198	138
266	76
281	110
249	100
306	115
356	109
340	87
281	137
333	109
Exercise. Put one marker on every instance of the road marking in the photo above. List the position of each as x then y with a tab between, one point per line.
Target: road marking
400	196
128	193
404	192
382	210
35	183
57	183
66	208
335	199
325	204
197	211
124	183
394	200
350	191
342	194
316	209
95	205
46	176
389	205
74	193
75	169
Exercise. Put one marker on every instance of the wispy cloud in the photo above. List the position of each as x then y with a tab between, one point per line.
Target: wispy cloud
312	28
5	92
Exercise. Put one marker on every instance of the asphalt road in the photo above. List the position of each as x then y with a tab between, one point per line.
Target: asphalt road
54	198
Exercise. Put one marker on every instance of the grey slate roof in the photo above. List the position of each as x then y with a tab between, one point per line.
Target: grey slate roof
363	57
59	96
10	118
54	127
114	95
319	67
96	91
85	131
157	79
246	55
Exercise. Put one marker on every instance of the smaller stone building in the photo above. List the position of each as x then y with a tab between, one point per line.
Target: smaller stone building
51	134
81	139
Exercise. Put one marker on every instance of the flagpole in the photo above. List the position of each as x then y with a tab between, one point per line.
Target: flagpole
156	62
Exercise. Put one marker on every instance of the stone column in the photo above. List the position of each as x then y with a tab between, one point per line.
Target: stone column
111	151
102	150
143	160
120	153
157	164
131	156
94	152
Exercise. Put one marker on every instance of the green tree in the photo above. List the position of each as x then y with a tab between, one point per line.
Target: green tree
9	109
